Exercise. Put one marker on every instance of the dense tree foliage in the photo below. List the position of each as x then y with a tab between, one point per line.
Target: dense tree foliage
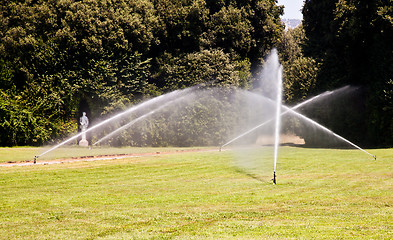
58	58
299	71
352	42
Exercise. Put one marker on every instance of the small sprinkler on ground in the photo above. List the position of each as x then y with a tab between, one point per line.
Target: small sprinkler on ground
274	178
375	157
35	159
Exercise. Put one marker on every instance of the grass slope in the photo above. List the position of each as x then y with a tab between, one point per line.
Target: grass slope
321	194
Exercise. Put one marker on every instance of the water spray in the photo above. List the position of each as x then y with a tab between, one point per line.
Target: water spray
173	94
329	131
283	113
137	120
278	120
292	111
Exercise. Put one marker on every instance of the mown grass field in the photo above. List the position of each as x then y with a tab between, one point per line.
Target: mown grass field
321	194
23	154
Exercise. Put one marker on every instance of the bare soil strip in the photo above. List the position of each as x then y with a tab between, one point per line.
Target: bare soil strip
101	157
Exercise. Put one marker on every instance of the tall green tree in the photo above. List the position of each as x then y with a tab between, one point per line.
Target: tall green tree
351	39
300	72
61	52
112	53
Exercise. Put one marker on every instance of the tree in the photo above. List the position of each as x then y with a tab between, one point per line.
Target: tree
351	39
204	66
300	72
62	52
231	30
105	55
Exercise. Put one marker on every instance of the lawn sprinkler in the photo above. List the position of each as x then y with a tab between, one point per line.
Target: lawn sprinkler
35	159
274	178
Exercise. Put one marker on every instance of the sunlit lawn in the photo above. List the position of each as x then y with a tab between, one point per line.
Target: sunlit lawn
23	154
321	194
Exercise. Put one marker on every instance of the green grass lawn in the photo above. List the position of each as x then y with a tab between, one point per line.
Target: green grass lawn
23	154
321	194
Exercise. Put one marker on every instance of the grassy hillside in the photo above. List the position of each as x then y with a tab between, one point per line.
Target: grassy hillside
321	193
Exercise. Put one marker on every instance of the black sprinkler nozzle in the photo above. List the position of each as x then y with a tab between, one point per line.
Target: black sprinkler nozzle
35	159
375	157
274	178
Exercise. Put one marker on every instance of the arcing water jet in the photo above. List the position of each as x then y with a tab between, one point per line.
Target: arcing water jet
304	118
167	96
137	120
327	130
309	101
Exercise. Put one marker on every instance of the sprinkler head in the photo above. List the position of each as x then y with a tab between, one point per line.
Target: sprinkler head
375	157
274	178
35	159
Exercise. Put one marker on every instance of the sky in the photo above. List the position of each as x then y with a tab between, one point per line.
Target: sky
292	9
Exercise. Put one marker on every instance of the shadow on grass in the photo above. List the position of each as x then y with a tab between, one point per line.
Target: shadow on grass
259	178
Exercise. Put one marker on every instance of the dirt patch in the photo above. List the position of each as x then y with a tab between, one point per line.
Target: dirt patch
284	139
101	157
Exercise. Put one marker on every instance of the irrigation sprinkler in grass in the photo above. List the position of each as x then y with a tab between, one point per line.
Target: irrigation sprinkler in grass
172	95
306	119
292	111
278	120
274	178
279	113
282	114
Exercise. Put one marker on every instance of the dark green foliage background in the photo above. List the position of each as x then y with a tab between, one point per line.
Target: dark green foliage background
59	58
344	42
110	54
351	41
